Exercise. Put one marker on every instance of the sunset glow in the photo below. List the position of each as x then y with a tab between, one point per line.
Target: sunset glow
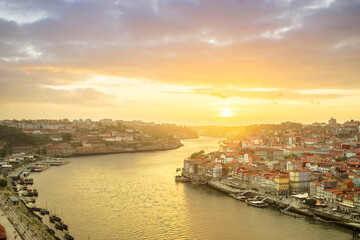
179	61
226	112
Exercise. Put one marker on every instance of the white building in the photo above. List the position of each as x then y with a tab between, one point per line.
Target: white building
217	171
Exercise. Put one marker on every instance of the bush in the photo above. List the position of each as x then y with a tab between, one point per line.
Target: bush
197	154
77	144
3	183
340	159
67	137
310	202
3	152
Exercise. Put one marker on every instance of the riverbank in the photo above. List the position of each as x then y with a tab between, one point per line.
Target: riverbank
294	206
115	151
123	151
30	221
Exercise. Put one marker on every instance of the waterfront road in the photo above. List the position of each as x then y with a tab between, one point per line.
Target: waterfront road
22	222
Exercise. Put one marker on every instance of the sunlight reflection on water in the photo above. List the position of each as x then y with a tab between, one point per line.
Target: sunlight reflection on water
134	196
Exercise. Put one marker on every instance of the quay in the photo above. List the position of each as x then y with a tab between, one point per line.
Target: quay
25	220
224	188
292	205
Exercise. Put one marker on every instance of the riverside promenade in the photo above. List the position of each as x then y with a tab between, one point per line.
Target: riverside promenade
20	224
26	224
11	232
223	187
297	207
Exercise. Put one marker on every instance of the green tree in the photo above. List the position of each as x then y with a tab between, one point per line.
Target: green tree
3	152
340	159
76	144
3	183
197	154
310	202
44	151
13	136
66	137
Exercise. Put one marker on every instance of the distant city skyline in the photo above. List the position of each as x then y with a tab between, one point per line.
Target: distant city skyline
330	121
184	61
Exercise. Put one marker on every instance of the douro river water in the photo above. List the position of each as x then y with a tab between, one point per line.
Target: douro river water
134	196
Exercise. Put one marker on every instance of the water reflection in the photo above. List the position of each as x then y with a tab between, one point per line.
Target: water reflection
134	196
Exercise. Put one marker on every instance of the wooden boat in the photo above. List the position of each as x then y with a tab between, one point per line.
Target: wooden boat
58	226
61	226
64	226
68	237
30	199
52	232
42	211
241	198
30	193
54	218
257	203
180	178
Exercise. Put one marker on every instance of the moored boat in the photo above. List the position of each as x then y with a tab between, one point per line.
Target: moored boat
60	226
257	203
56	218
30	193
35	209
53	218
26	181
64	226
30	199
52	232
68	237
241	198
180	178
42	211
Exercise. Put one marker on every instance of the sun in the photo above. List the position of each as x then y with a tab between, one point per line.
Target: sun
226	112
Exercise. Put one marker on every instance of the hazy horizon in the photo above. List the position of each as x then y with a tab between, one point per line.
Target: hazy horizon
189	125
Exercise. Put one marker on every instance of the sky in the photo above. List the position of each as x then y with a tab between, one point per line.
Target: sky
228	62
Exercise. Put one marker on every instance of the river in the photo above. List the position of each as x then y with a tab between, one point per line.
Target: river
134	196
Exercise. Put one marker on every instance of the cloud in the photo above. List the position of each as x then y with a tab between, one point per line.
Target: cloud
34	87
311	95
35	94
231	46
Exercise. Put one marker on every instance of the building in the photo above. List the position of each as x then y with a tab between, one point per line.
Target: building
271	154
299	180
190	165
281	181
332	121
217	171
